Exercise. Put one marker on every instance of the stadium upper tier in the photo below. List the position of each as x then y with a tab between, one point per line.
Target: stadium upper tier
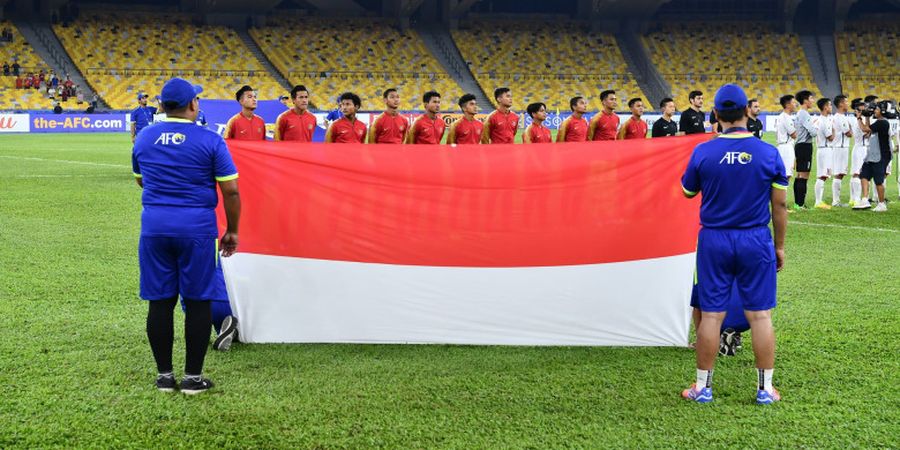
19	50
365	56
544	61
120	56
869	59
703	57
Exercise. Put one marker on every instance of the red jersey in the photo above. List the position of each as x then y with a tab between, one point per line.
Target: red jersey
538	134
343	131
635	129
605	126
465	131
243	129
426	130
291	126
502	127
576	130
388	129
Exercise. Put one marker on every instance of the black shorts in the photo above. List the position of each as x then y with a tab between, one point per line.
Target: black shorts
875	171
803	153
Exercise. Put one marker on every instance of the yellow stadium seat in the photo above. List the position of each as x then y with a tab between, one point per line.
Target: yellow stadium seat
767	64
19	50
868	53
543	61
362	55
120	57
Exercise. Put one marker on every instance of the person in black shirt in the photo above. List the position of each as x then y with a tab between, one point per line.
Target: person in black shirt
714	122
665	126
878	157
692	118
754	125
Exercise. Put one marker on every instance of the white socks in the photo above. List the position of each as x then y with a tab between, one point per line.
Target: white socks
820	190
765	378
836	192
704	379
855	190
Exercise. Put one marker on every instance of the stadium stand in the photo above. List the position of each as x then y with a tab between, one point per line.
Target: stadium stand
546	61
868	53
120	57
767	64
365	56
20	51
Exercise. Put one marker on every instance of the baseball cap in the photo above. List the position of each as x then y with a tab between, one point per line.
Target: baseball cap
284	97
142	95
179	91
730	97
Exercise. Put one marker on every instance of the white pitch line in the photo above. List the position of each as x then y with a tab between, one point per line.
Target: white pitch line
66	161
846	227
64	176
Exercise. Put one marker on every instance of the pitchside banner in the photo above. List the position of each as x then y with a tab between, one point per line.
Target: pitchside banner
554	244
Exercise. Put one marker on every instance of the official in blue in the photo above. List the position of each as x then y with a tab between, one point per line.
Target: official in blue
142	116
739	177
179	165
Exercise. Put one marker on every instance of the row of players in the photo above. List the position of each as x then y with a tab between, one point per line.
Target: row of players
832	131
500	127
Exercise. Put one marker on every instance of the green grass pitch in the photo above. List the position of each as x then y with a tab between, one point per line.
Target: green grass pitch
76	371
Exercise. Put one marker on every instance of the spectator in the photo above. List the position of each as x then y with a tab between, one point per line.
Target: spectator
16	68
79	96
42	76
6	69
57	109
95	100
29	81
20	82
54	81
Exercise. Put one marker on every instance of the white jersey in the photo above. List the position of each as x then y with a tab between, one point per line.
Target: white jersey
784	128
894	134
841	127
159	117
860	141
824	130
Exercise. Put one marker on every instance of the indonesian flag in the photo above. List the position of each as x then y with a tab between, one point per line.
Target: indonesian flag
552	244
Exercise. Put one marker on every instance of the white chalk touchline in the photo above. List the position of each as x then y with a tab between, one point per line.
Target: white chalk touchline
67	161
69	176
846	227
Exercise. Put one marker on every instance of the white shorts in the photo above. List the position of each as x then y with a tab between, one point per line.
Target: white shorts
859	157
824	161
841	159
787	155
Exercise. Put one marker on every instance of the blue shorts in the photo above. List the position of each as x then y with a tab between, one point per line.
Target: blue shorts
734	317
187	266
736	263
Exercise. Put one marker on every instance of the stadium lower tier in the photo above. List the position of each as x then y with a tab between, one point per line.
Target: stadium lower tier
324	90
120	90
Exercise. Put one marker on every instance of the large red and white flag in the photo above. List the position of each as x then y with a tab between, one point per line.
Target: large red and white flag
556	244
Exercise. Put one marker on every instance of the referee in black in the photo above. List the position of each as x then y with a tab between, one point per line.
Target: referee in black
754	125
692	118
665	126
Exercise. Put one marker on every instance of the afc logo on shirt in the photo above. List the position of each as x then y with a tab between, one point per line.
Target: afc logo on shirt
731	158
170	138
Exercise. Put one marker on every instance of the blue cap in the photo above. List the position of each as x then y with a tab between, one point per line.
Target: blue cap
730	97
141	95
179	91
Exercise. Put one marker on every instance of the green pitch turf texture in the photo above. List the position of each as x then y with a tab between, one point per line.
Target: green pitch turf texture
76	370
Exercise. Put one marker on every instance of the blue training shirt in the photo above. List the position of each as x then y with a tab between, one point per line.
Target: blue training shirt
142	116
736	174
180	164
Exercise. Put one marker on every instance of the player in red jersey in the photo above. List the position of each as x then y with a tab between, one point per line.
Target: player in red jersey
297	123
605	123
634	127
389	127
466	130
245	125
502	124
347	129
537	133
574	128
429	127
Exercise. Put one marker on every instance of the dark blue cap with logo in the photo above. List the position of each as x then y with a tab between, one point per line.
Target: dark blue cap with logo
730	97
179	91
